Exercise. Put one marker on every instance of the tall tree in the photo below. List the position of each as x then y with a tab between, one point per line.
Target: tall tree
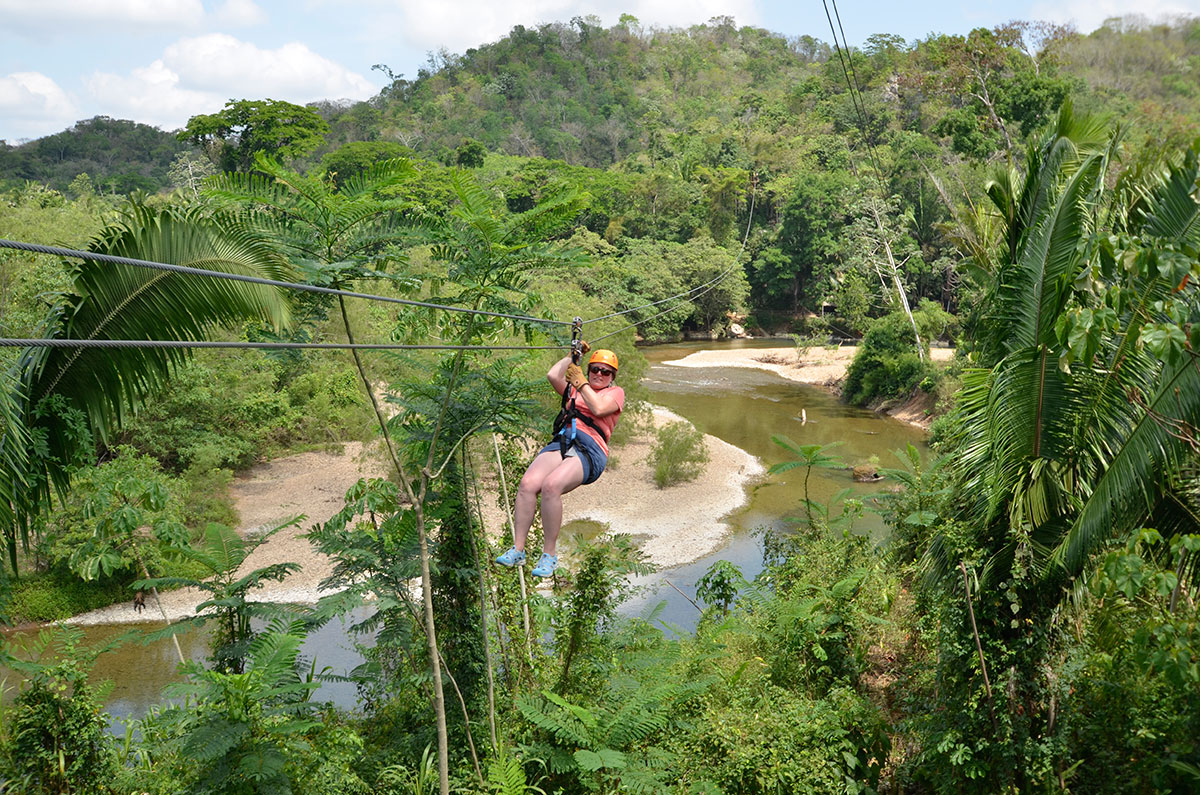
342	233
234	136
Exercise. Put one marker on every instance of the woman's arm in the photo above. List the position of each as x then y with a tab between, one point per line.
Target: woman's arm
601	403
558	374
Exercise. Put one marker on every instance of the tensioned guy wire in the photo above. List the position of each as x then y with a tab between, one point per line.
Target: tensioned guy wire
847	63
309	288
7	342
666	311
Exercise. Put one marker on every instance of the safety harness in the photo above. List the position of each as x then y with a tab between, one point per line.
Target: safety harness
565	428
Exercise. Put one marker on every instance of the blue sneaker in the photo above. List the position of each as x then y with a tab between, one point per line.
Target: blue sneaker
513	557
546	566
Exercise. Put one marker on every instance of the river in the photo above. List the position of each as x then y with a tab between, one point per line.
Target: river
745	407
741	406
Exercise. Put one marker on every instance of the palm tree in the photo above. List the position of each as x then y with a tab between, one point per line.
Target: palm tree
60	401
1067	439
1078	427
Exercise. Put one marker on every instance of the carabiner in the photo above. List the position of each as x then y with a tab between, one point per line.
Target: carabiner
576	340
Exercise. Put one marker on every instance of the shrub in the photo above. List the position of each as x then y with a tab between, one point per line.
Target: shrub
99	529
54	738
208	499
779	740
331	405
679	454
59	594
887	363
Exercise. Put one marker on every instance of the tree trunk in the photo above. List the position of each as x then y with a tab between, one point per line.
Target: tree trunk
887	247
439	697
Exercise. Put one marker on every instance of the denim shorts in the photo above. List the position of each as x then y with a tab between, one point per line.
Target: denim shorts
590	455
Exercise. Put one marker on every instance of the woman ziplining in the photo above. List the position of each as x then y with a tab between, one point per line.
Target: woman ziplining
577	455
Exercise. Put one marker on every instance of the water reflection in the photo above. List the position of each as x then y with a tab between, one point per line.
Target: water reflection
140	673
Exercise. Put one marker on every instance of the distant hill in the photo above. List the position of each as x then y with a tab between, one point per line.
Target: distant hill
722	95
712	96
591	96
120	156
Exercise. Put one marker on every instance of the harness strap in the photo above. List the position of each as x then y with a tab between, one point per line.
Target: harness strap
569	411
567	433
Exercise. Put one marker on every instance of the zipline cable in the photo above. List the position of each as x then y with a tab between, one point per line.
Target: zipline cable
667	311
714	281
847	64
861	108
8	342
236	277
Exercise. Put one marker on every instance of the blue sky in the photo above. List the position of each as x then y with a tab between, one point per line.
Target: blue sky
162	61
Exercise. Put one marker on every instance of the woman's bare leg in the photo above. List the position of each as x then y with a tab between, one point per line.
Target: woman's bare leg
527	495
566	477
552	476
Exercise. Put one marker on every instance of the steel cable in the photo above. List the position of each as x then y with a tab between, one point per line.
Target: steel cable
309	288
8	342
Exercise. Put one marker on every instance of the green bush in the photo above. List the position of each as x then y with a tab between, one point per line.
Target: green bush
678	455
208	499
221	412
766	739
227	412
887	364
58	594
331	406
100	529
53	737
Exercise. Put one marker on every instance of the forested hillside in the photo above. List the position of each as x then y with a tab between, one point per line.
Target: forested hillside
676	133
118	156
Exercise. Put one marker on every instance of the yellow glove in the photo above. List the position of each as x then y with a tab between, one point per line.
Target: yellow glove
575	376
584	347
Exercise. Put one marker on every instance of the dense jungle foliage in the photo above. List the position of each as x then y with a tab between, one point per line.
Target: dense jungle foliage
1031	622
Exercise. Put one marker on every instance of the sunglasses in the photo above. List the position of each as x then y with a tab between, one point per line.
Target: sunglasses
601	371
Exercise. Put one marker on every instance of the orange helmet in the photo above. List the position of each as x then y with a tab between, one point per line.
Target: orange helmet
604	356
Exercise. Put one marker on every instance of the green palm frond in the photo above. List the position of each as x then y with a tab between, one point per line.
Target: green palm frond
1128	488
1020	200
128	302
68	398
15	439
1035	287
1171	211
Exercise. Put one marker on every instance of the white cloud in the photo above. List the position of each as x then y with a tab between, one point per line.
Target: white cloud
199	74
152	95
53	16
30	103
220	62
1090	14
240	13
469	23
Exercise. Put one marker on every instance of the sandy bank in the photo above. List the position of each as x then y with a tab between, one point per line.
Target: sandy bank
310	484
677	524
819	366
